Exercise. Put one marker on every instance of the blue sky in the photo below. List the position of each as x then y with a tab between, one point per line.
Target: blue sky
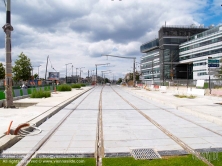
79	31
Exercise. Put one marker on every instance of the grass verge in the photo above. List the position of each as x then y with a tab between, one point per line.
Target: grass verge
9	162
64	87
40	94
185	96
76	85
169	161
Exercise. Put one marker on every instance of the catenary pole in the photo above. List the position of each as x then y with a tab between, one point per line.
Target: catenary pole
8	72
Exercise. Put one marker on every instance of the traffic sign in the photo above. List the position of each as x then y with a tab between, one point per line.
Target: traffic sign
213	61
213	65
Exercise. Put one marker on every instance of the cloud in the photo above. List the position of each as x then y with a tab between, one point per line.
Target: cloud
81	31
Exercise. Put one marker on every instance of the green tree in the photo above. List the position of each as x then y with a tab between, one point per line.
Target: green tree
107	80
22	69
119	80
219	72
2	71
36	75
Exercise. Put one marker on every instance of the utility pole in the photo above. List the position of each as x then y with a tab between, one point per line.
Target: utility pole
66	71
80	73
72	73
134	62
8	71
76	75
88	75
96	68
38	70
46	67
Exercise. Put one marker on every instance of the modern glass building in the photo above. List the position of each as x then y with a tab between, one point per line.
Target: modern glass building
150	61
161	58
197	50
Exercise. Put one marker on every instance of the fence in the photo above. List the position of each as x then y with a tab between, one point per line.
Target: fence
25	92
184	83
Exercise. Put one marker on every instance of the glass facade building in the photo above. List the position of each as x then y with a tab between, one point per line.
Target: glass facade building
199	48
161	58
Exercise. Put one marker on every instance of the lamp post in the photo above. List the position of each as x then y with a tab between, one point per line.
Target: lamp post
66	70
76	75
99	65
134	62
38	70
8	71
104	72
72	73
80	72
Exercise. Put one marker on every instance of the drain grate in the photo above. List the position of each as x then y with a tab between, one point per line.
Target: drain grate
141	154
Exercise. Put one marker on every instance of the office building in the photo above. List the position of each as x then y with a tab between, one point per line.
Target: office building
197	50
161	59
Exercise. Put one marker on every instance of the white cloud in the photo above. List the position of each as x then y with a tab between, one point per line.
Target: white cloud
80	31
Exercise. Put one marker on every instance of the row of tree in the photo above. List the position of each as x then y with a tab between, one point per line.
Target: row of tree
22	70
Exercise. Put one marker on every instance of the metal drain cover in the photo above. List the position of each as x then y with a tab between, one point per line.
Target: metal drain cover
141	154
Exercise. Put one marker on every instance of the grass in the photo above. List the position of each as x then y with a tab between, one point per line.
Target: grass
83	85
64	87
186	160
185	96
76	85
169	161
40	94
9	162
49	162
216	159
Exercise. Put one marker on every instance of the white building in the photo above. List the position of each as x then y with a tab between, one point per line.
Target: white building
197	50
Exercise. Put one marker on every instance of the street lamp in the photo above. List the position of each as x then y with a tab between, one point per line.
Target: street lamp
38	70
66	70
76	75
134	62
80	72
96	68
105	72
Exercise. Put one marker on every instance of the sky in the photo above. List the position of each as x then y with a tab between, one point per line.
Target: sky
81	31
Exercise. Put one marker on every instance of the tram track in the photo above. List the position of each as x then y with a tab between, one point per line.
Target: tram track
180	116
185	146
27	158
99	140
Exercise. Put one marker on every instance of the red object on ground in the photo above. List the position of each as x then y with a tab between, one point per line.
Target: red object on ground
9	127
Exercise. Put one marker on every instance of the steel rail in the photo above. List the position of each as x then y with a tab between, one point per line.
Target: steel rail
32	152
186	147
99	140
180	116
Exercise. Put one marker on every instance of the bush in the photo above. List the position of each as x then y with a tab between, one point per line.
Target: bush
64	87
40	94
76	86
83	85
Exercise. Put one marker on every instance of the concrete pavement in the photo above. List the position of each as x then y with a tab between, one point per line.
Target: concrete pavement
35	114
124	128
205	107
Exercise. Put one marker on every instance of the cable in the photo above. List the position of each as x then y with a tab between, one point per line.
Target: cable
23	133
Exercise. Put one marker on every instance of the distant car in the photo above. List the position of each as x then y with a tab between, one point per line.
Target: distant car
108	84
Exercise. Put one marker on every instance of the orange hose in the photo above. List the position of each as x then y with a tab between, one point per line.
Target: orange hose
9	127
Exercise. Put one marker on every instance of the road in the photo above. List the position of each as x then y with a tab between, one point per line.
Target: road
112	121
